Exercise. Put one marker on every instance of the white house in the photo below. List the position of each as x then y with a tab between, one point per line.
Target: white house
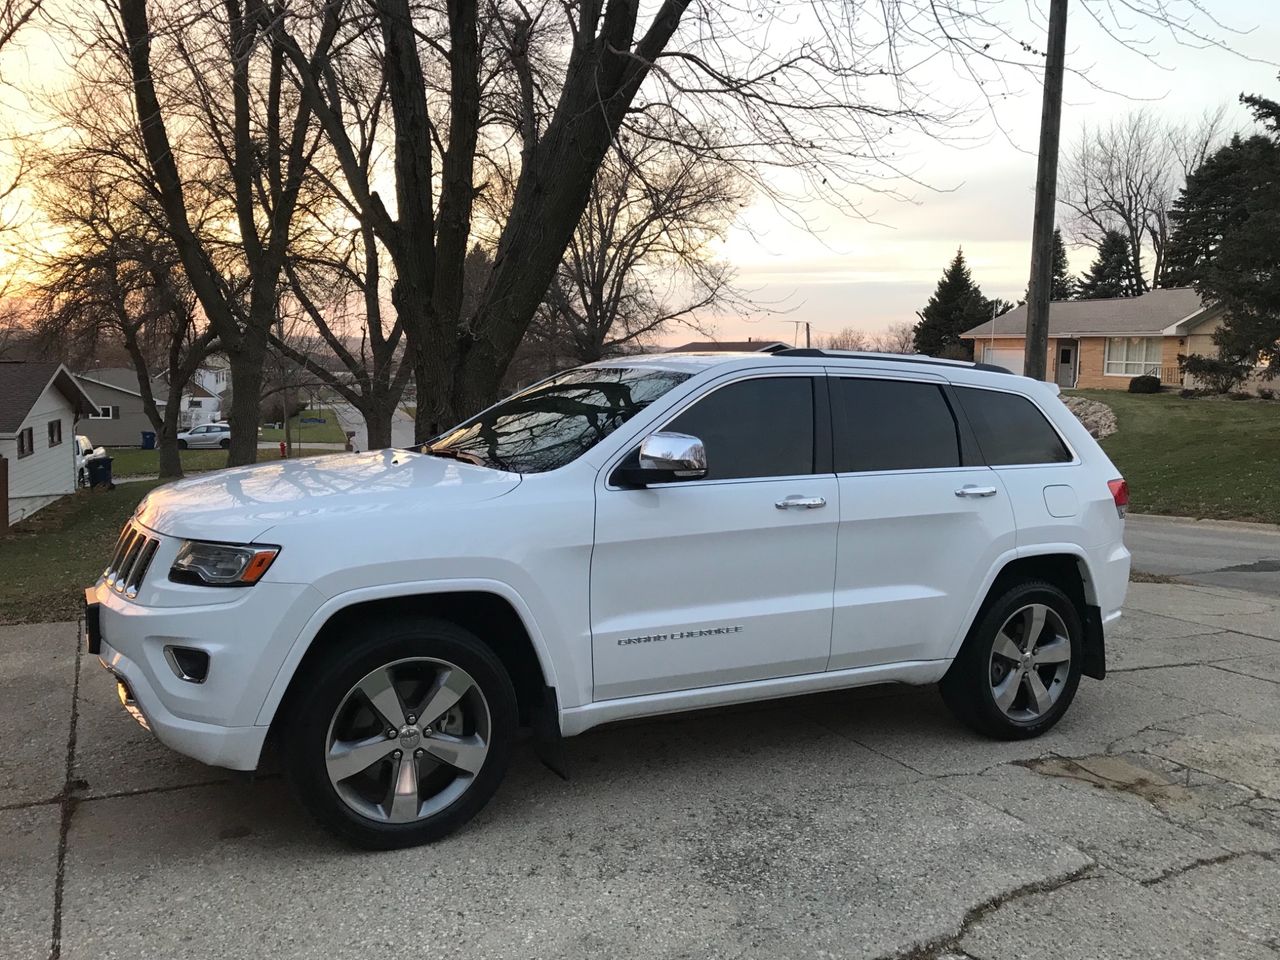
39	406
214	375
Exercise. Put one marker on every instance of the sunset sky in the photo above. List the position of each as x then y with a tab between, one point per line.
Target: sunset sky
974	185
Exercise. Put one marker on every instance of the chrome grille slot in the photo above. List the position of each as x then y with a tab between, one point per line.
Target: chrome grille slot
133	555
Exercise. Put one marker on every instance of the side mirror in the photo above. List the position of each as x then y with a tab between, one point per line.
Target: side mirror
664	457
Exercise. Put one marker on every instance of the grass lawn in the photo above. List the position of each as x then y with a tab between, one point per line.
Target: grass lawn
142	463
48	560
1196	458
328	432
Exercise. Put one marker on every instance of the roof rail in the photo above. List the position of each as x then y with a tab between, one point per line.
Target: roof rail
890	357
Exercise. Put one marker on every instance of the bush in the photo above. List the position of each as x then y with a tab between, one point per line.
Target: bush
1144	384
1187	394
1239	395
1266	394
275	410
1218	374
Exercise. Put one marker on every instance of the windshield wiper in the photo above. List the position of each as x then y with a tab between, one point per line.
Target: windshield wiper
449	453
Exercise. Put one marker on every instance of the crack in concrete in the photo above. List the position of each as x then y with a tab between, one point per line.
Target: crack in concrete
1268	855
935	949
67	802
1171	666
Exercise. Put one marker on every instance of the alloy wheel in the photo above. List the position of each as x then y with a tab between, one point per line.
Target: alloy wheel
408	740
1030	662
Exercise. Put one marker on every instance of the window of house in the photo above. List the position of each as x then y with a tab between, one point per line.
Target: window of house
101	413
55	432
195	404
1133	356
26	443
754	428
892	425
1011	429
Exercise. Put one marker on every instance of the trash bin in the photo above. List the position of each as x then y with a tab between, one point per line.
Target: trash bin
99	469
148	440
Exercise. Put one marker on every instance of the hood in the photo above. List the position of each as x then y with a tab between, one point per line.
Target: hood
243	503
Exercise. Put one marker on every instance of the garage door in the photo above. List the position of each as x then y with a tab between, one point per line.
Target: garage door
1009	359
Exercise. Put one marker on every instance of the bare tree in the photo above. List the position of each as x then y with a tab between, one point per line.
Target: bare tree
897	338
849	338
1124	177
114	275
640	259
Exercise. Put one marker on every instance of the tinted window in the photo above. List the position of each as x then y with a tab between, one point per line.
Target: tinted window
1010	429
892	425
556	421
755	428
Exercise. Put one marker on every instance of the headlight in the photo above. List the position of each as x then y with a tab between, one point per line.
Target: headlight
221	564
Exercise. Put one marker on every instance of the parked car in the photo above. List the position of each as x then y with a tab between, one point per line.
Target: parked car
85	451
205	436
636	537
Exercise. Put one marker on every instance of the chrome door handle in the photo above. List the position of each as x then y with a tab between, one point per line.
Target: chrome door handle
971	491
802	503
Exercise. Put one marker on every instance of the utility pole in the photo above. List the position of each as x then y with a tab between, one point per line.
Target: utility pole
808	334
1036	350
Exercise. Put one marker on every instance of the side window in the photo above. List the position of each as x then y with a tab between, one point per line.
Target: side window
892	425
754	428
1010	429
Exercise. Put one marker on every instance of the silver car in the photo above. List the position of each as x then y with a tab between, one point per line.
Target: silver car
205	436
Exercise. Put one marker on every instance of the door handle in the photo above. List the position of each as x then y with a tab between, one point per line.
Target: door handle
969	490
801	503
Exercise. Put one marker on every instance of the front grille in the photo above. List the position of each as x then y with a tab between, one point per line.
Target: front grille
133	554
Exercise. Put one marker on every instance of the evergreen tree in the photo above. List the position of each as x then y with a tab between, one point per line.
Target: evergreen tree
1111	274
957	305
1063	286
1226	238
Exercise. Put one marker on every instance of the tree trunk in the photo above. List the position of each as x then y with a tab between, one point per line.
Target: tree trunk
246	397
377	420
167	441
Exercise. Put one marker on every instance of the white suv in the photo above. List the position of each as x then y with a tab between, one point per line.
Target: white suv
635	537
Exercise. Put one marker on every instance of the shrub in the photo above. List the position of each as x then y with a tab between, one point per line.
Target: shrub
1218	374
1187	394
1144	384
1240	395
1266	393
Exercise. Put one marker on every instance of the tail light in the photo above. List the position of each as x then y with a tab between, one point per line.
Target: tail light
1120	494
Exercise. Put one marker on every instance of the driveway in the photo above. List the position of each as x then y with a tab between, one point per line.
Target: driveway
859	824
1243	556
402	433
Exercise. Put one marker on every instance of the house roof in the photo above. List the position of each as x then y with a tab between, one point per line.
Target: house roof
120	379
731	346
23	381
1168	312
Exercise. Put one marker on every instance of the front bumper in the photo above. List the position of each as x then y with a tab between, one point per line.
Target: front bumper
213	721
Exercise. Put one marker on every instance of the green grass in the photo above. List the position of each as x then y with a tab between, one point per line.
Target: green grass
1196	458
328	432
144	463
48	560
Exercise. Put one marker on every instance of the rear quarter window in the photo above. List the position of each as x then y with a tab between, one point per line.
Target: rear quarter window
1010	429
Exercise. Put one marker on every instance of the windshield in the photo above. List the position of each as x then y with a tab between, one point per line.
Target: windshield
556	421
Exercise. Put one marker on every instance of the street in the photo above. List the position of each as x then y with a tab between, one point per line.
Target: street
858	824
1243	556
351	420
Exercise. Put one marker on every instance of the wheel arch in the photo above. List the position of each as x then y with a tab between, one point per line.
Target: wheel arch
1067	567
493	612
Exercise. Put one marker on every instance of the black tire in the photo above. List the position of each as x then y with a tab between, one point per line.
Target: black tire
322	691
224	444
182	444
969	685
83	477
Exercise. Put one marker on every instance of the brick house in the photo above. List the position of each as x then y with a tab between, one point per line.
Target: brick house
1103	344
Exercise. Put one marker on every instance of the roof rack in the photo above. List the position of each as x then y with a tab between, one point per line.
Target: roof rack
890	357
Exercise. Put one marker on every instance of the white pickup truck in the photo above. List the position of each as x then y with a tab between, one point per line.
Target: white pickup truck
635	537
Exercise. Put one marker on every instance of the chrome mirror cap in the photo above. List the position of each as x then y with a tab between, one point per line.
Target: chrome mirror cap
681	454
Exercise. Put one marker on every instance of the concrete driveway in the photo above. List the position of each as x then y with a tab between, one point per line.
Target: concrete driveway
1215	553
863	824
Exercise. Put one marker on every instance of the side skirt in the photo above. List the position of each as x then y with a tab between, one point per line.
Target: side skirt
575	720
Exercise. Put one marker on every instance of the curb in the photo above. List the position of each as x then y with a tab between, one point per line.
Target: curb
1271	528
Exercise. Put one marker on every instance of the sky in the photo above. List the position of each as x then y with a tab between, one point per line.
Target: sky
869	275
973	189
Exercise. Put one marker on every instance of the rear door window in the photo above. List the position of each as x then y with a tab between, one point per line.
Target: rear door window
892	425
1010	429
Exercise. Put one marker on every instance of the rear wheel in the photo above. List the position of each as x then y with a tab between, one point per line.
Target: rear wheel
1019	668
401	735
224	444
182	444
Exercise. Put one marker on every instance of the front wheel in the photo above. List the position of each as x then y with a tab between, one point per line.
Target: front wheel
182	444
401	734
1019	668
224	444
